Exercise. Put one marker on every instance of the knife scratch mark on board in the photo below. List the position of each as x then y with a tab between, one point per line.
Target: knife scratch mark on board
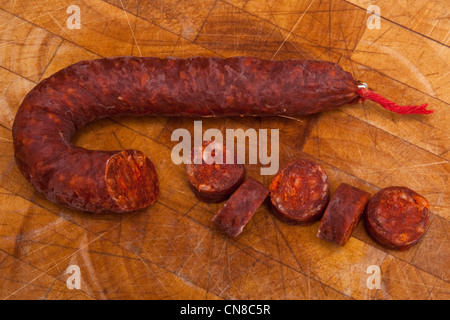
46	272
131	28
292	30
91	272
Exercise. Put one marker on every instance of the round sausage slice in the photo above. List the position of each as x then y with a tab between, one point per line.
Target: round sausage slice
299	192
211	180
397	217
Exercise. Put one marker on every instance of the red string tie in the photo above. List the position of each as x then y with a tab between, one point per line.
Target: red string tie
392	106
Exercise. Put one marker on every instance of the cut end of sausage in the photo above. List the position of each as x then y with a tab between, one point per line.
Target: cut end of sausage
131	180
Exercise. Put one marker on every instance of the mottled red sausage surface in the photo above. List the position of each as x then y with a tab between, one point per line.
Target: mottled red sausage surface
241	207
299	192
51	113
212	181
397	217
342	214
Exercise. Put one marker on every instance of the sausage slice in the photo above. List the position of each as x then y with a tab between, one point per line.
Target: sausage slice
241	207
397	217
299	192
342	214
212	181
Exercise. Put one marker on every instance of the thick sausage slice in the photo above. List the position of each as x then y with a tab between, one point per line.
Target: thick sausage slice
342	214
397	217
299	192
241	207
211	181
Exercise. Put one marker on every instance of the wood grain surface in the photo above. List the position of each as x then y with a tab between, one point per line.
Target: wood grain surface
172	250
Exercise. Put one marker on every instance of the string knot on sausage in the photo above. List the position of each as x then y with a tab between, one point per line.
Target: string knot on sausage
392	106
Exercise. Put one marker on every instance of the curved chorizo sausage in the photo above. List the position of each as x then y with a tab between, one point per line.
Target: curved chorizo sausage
101	181
59	105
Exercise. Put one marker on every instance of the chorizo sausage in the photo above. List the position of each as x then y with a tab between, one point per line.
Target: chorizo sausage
213	181
75	177
241	207
59	105
299	192
342	214
397	217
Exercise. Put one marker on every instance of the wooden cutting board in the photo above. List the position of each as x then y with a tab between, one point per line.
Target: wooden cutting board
172	250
